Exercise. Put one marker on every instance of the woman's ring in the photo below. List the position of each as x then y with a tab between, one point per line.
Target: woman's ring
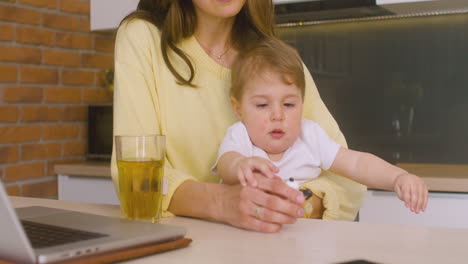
257	212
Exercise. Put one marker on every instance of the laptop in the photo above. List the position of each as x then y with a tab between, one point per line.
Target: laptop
42	235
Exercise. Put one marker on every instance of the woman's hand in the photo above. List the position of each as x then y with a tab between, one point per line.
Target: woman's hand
264	208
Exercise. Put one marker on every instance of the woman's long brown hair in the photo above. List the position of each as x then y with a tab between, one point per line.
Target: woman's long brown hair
176	20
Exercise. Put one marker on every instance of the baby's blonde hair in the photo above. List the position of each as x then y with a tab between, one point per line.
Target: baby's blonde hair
268	55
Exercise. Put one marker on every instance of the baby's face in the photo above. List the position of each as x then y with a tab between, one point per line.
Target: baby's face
271	110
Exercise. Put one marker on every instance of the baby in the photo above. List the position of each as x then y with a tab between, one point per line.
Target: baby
272	138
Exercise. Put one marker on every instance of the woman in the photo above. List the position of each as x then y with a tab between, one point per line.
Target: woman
172	76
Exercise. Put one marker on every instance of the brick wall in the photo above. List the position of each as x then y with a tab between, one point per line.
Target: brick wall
51	68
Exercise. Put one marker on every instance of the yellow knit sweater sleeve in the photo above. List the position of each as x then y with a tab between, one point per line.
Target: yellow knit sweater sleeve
341	197
136	99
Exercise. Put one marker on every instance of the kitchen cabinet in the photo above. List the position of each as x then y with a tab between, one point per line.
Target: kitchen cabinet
89	182
107	14
86	189
447	205
444	210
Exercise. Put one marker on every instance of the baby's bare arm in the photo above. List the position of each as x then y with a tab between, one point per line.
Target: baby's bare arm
366	169
376	173
228	165
235	168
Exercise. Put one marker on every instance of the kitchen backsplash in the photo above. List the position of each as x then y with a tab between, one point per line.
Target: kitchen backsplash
397	87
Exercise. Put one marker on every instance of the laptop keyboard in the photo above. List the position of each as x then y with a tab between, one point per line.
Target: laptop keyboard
42	235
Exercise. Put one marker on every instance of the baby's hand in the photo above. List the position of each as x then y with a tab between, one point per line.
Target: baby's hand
247	166
412	190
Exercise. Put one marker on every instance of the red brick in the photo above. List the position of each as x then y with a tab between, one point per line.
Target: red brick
12	134
78	77
46	189
13	190
62	95
74	148
38	75
18	14
94	60
63	58
60	21
99	95
6	32
9	154
84	24
74	40
41	113
33	35
8	113
40	151
52	4
24	171
20	54
105	44
22	94
75	113
83	131
100	78
51	164
8	73
74	6
60	131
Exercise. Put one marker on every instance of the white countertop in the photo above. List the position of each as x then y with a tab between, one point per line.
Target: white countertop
307	241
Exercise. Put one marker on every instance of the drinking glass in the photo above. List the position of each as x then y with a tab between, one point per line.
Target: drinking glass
140	162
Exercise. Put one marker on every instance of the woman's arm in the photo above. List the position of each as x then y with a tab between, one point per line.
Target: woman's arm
136	104
237	205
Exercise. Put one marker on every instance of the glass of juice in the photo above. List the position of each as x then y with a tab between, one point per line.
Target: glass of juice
140	162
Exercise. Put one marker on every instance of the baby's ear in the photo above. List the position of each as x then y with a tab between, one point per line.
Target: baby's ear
236	107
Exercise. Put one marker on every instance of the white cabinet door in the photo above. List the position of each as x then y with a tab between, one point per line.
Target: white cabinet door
444	209
107	14
87	189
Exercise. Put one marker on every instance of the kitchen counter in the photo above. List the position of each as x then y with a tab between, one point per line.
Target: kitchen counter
92	169
439	177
